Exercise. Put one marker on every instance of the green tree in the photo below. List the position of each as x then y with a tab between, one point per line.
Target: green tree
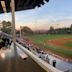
26	31
71	28
6	27
51	30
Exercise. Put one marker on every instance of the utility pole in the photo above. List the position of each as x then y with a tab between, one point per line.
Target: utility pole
20	33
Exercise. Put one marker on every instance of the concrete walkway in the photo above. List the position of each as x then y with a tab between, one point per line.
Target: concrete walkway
11	63
60	64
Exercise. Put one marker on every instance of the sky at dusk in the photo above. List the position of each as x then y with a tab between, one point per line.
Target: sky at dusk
57	13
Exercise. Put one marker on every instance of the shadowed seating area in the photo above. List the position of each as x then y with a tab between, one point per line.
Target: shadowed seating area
16	64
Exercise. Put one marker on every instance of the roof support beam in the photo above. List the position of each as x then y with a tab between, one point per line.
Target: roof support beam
3	6
13	26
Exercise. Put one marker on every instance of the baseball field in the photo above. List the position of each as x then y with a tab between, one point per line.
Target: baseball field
58	44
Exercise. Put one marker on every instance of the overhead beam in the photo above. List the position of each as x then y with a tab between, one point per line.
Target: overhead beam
3	6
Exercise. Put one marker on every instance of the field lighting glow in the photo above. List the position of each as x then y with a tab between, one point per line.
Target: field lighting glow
3	55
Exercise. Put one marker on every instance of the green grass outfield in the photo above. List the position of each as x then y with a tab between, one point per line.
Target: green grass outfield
68	44
40	39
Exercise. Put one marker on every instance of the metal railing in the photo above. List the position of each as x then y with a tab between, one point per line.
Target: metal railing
47	67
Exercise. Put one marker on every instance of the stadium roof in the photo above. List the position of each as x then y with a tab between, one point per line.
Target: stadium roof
5	5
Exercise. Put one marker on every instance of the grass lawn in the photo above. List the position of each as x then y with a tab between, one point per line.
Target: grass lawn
40	39
68	44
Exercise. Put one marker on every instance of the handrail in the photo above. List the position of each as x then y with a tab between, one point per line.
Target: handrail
47	67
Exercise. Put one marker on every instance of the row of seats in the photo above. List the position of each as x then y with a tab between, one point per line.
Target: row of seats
5	42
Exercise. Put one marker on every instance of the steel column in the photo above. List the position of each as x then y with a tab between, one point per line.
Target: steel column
13	25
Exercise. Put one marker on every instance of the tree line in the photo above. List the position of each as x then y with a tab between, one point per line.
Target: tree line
7	28
60	30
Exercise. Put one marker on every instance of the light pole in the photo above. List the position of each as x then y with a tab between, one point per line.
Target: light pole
20	33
